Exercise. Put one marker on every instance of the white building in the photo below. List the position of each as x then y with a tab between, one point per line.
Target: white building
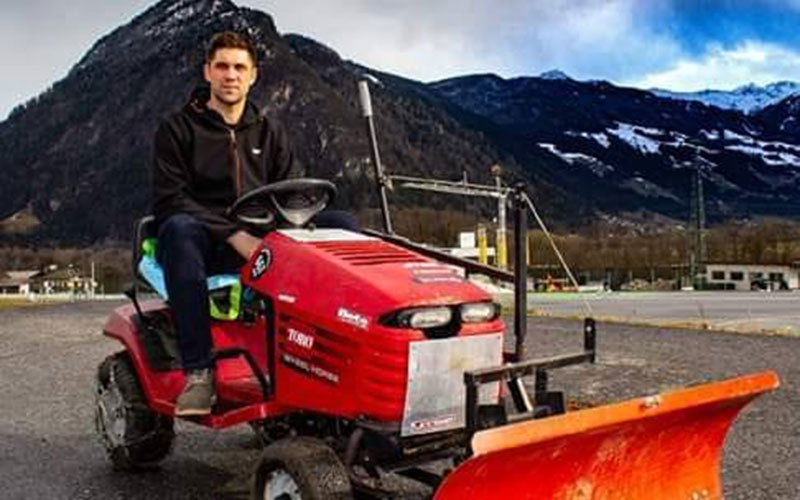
753	276
17	282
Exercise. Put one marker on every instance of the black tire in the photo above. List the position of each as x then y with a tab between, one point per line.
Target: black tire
316	471
143	437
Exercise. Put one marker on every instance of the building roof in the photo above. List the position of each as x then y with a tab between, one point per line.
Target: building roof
17	278
64	273
22	275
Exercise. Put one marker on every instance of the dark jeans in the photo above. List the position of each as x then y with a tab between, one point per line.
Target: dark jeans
189	255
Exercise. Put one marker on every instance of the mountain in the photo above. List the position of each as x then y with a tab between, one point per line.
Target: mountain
76	160
625	149
783	117
747	98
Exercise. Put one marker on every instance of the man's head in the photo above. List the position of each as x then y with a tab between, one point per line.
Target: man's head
230	67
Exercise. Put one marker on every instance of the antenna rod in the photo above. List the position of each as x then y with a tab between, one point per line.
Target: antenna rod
383	181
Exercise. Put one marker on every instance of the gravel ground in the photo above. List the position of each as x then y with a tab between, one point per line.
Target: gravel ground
48	358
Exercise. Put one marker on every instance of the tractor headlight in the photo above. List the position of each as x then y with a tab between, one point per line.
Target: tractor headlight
479	312
424	317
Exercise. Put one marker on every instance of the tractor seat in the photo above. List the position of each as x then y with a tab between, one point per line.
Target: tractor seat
223	288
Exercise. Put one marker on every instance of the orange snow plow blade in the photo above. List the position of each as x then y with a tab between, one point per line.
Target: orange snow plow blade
663	447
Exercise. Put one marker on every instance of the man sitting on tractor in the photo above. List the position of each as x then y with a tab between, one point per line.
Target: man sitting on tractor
215	149
211	152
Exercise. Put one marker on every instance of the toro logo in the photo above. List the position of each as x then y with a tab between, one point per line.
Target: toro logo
353	318
261	263
304	340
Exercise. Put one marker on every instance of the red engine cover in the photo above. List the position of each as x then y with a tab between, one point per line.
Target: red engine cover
333	355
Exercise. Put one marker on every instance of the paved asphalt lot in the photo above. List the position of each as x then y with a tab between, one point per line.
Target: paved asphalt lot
48	448
774	312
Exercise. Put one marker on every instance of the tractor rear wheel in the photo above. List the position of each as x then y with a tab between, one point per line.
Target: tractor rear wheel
300	468
135	437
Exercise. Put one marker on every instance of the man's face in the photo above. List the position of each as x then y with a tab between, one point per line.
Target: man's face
230	74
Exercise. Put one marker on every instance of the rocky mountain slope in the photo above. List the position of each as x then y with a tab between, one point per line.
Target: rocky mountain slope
627	149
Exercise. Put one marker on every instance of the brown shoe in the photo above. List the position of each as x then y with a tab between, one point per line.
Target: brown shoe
198	396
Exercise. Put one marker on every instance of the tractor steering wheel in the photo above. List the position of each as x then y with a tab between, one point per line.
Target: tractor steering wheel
297	201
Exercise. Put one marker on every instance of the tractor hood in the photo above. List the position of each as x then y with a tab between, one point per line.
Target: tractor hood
353	276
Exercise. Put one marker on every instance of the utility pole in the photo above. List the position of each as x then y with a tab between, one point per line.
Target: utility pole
697	228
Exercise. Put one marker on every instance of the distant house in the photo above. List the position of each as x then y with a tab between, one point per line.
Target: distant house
63	280
732	276
17	281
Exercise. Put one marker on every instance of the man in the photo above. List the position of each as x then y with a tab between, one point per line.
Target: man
214	150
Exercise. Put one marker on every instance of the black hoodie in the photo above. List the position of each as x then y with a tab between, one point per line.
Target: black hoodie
202	164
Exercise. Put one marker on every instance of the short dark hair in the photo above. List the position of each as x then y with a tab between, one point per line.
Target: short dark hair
231	40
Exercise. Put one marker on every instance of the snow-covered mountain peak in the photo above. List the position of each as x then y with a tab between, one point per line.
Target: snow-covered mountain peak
747	98
554	74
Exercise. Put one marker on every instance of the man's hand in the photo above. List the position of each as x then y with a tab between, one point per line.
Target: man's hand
244	243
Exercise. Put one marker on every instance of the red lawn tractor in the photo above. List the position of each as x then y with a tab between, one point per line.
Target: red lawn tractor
357	354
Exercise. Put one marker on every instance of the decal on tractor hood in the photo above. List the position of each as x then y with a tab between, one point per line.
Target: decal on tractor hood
312	369
261	263
304	340
442	278
353	318
433	272
290	299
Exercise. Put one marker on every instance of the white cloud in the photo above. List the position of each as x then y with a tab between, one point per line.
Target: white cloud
424	40
45	38
726	68
603	40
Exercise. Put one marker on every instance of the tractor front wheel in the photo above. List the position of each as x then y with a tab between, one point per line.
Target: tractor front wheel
134	436
300	468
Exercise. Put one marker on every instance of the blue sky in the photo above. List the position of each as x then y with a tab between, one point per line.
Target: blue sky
676	44
699	22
